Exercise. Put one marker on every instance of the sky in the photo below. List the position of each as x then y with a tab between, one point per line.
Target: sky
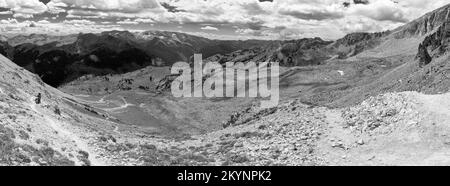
215	19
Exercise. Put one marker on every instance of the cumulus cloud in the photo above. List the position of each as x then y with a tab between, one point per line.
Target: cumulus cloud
209	28
313	14
106	9
56	7
263	19
381	10
143	20
13	26
24	8
6	13
78	22
86	14
128	22
130	6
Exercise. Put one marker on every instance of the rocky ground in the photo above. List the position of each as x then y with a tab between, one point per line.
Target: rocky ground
391	129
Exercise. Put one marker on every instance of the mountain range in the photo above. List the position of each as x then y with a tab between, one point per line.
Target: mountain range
60	59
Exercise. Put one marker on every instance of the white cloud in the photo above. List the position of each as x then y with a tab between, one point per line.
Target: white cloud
6	13
329	19
43	22
79	22
12	26
24	8
142	20
21	15
8	21
209	28
381	10
313	11
119	5
56	7
128	22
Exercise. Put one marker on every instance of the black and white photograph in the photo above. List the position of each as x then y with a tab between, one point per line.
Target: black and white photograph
224	83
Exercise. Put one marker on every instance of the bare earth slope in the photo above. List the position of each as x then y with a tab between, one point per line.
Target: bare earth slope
35	131
43	126
393	129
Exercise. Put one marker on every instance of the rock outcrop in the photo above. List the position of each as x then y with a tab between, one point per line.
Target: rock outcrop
423	56
166	83
439	41
355	43
425	24
435	44
302	52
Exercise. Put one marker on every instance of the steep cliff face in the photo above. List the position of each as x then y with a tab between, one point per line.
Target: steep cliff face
439	41
404	40
425	24
435	44
423	56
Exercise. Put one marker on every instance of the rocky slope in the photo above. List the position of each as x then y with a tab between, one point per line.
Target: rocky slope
405	40
303	52
436	44
425	24
355	43
393	129
31	131
42	126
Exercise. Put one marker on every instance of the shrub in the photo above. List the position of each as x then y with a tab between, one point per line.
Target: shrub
12	153
84	157
24	135
57	111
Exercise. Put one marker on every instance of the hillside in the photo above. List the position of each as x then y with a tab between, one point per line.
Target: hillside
42	126
37	127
